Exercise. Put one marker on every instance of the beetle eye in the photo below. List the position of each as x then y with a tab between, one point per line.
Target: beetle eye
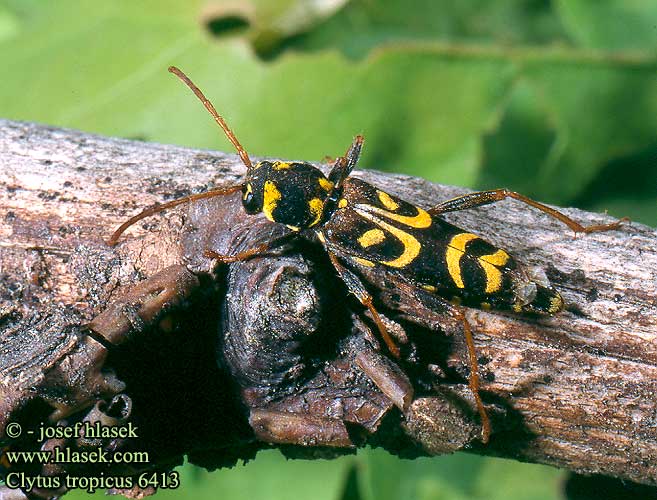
248	199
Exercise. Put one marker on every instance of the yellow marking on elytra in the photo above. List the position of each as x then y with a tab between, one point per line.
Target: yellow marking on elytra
460	241
316	207
387	201
556	304
281	165
412	246
498	258
420	221
320	236
430	288
490	264
343	203
455	251
363	262
325	184
271	197
493	276
371	237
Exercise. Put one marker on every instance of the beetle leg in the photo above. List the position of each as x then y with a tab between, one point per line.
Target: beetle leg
473	379
357	288
160	207
437	314
481	198
251	252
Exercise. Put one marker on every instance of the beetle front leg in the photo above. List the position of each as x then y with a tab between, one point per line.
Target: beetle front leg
143	302
357	288
251	252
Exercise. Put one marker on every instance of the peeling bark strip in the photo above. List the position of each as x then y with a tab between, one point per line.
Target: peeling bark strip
576	390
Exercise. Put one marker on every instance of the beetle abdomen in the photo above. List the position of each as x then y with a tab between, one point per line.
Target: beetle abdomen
431	253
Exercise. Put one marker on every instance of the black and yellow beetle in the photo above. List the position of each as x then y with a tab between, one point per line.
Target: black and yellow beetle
363	228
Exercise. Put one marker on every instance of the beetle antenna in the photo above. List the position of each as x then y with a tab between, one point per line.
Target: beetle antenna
208	194
217	117
164	206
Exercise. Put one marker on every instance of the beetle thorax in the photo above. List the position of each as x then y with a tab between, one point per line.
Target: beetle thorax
292	193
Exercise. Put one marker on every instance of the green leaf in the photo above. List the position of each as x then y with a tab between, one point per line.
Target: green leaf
275	21
455	477
502	479
269	477
510	162
603	109
626	186
424	108
9	24
385	477
568	115
269	23
364	25
426	114
611	24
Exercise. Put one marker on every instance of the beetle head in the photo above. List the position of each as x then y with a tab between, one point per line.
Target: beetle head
291	193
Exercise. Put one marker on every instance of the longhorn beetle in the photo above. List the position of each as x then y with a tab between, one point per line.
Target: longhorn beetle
362	227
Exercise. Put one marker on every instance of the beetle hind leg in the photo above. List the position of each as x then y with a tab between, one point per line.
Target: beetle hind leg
438	313
481	198
473	379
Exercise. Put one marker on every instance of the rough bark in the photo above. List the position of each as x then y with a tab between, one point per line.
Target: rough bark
575	390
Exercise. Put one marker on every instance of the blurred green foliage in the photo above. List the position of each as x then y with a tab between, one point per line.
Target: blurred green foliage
371	475
556	99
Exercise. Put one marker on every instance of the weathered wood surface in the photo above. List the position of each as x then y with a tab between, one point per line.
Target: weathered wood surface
576	390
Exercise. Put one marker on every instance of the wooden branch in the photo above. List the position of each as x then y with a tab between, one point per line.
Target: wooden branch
576	390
